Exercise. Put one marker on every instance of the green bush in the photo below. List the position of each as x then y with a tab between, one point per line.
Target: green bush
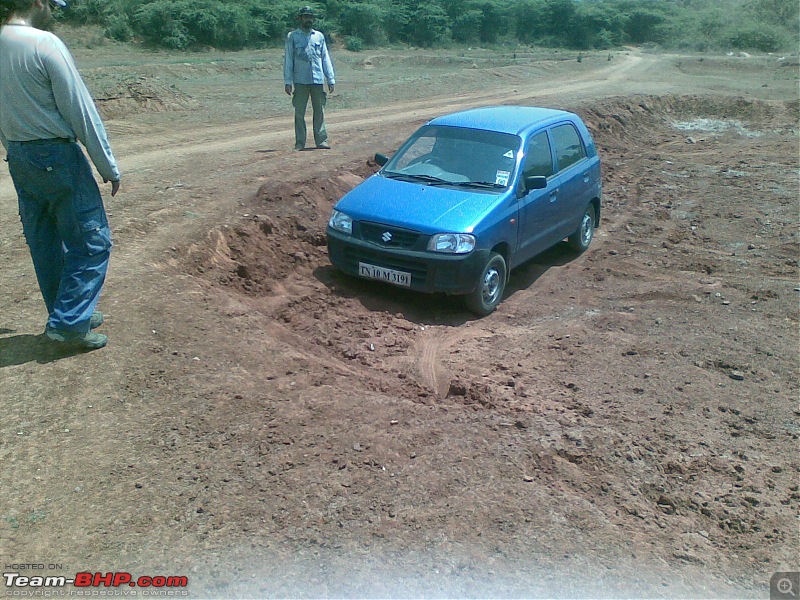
119	28
269	22
88	12
363	20
161	23
182	24
603	40
230	28
430	23
467	26
354	44
763	38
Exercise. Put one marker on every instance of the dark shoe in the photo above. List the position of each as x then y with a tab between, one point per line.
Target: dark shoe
96	320
89	340
324	146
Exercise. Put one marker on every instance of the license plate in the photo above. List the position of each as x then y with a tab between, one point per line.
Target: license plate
387	275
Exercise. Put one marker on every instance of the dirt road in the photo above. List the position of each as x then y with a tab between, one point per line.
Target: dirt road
624	425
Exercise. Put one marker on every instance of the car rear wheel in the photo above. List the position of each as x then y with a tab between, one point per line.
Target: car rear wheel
491	285
583	236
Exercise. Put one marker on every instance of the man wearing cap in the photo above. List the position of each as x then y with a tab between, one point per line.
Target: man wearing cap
306	66
44	108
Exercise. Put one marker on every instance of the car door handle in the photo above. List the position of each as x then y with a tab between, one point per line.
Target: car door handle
554	196
586	179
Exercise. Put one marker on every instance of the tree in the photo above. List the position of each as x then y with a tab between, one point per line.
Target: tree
430	25
398	21
364	20
467	26
559	18
528	20
494	21
780	12
598	25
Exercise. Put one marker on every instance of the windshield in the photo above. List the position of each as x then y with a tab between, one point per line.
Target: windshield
439	155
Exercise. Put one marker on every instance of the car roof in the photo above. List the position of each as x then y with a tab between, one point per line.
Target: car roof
505	119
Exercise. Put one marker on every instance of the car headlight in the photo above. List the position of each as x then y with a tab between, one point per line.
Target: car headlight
452	243
341	222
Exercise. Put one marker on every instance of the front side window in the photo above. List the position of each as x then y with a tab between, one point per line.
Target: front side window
457	155
568	146
538	158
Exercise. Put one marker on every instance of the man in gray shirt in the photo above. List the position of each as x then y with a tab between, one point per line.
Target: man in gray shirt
44	108
306	65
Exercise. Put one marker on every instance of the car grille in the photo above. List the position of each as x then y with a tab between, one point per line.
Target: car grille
388	237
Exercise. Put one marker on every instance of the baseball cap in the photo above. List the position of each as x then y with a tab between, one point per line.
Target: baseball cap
59	3
306	10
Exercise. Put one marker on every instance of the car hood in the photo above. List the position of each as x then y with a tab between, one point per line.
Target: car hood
425	208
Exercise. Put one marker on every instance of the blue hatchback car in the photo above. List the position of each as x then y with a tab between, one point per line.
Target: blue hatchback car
467	198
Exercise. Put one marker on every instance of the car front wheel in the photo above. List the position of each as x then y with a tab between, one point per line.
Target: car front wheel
491	285
583	236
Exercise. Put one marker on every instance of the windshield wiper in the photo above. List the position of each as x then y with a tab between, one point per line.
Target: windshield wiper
433	180
427	178
473	184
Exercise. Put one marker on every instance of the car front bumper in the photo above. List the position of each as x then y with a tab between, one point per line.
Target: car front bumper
430	272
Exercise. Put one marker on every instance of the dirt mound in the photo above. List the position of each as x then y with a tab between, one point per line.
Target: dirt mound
285	232
641	115
123	95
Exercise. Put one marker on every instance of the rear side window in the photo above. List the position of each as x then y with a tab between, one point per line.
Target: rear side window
568	146
538	158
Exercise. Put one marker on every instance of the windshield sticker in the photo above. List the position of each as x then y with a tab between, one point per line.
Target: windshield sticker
509	154
501	178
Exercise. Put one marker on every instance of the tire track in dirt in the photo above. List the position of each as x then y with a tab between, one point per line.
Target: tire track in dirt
308	351
428	352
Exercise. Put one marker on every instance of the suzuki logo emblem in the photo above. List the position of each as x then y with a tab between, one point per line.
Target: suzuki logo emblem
386	237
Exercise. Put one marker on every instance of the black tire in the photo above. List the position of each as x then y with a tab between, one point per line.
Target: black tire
491	285
584	235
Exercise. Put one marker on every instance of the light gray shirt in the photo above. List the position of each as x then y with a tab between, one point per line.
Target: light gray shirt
43	96
306	59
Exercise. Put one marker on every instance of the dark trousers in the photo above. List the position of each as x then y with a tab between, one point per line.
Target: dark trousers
65	226
302	93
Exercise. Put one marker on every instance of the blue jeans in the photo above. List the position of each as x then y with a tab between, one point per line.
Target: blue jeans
302	92
65	225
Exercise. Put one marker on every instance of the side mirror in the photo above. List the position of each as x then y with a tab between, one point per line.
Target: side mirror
535	182
381	159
